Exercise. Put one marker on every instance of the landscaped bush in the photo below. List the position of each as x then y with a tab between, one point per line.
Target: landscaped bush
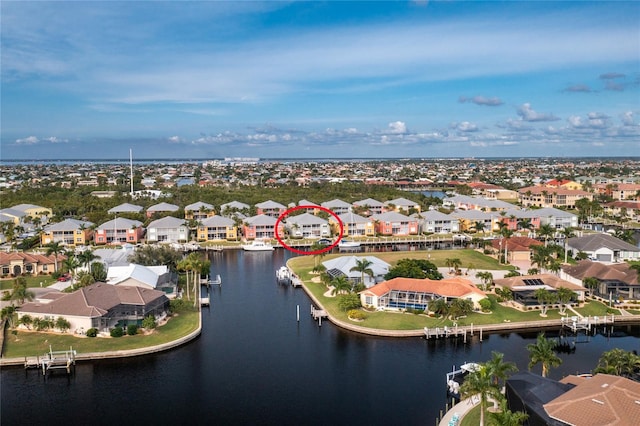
92	332
132	329
178	305
149	322
356	314
350	301
117	332
485	304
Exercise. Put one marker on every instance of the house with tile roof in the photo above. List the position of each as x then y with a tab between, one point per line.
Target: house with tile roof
199	211
217	228
307	225
100	305
413	293
69	232
168	229
615	280
18	263
395	224
603	247
119	231
518	248
542	196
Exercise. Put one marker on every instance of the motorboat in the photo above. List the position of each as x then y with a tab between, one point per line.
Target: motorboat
258	245
455	378
283	275
348	244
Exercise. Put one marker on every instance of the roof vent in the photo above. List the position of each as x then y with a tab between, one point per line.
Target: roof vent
605	385
597	401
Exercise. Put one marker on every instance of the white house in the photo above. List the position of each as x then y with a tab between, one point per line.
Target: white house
169	229
307	225
604	248
341	266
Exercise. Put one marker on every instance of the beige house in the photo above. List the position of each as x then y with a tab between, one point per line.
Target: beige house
541	196
18	263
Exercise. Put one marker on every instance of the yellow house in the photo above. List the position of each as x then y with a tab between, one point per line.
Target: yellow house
34	211
199	211
217	228
353	225
70	232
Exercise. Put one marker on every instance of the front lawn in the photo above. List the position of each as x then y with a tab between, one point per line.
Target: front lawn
32	281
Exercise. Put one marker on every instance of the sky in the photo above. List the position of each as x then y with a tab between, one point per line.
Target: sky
311	79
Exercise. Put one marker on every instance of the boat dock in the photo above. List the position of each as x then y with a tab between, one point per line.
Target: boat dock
318	314
454	331
576	323
208	282
52	360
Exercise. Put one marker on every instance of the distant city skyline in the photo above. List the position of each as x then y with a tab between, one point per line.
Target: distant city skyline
418	79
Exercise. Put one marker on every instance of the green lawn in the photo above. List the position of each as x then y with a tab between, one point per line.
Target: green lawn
29	343
46	280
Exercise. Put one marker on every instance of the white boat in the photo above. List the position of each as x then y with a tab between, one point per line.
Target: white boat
283	275
455	378
348	244
258	245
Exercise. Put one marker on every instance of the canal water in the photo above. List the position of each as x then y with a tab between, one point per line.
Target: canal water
255	364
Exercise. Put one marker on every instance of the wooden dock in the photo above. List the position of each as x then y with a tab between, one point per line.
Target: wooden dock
318	314
53	360
208	282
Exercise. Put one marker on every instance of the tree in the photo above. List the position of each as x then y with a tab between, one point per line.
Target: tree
564	296
619	363
542	352
460	307
26	320
541	256
8	314
566	234
71	264
479	226
591	283
414	268
439	307
363	266
340	285
480	382
19	292
506	233
156	255
62	324
498	369
86	257
55	248
506	417
349	301
544	296
546	231
98	271
486	277
525	224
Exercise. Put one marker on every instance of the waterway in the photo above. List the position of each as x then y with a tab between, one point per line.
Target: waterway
255	364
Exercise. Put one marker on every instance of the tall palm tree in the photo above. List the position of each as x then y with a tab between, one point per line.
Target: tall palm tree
591	283
55	248
479	226
499	369
340	285
541	256
546	231
71	264
86	257
19	292
506	417
480	382
363	266
566	234
618	362
544	296
506	233
542	352
564	296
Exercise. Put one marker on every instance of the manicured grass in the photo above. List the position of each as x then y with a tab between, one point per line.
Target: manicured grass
472	417
594	308
30	343
46	280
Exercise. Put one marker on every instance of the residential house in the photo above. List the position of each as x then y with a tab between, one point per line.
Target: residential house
465	202
394	224
69	232
118	231
468	219
101	306
344	266
270	208
435	222
309	203
625	209
402	205
161	208
234	207
542	196
524	288
353	225
151	277
13	215
620	191
261	226
307	225
615	281
558	219
368	207
413	293
199	211
18	263
563	183
519	249
604	248
217	228
33	211
125	208
337	206
168	229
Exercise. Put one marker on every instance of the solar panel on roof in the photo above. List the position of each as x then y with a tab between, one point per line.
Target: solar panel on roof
533	281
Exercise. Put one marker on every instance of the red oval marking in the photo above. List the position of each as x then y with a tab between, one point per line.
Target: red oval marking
312	252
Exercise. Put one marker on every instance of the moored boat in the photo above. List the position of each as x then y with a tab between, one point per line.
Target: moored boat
348	244
455	378
283	275
258	245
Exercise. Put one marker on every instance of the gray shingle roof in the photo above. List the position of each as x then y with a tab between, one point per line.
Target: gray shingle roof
589	243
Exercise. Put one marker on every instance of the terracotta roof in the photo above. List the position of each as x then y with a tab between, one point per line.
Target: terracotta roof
6	258
601	400
451	287
516	243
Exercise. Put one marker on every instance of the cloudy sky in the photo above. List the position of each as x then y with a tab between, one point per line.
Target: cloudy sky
320	79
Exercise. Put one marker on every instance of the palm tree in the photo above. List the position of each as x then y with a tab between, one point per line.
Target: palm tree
439	306
566	234
525	223
544	296
564	296
86	257
541	256
479	226
506	417
70	264
19	292
480	382
55	248
456	263
591	283
340	285
486	277
542	352
498	369
506	233
546	231
363	266
619	363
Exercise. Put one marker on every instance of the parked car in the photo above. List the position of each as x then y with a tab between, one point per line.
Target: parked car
64	278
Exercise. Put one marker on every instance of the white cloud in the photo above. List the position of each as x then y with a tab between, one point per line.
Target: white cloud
397	127
29	140
528	114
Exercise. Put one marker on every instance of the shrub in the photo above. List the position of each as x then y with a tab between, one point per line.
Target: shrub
485	304
132	329
149	322
117	332
356	314
92	332
350	301
179	305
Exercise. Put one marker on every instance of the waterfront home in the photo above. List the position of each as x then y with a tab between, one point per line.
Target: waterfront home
394	224
615	281
161	208
270	208
369	206
604	248
199	211
118	256
18	263
307	225
69	232
125	208
118	231
100	305
34	211
519	249
153	277
228	209
524	287
558	219
620	191
343	266
466	202
625	209
414	293
337	206
468	220
261	226
353	225
563	183
542	196
513	220
402	205
168	229
217	228
435	222
308	203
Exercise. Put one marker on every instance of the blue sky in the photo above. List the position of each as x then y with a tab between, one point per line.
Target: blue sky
320	79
